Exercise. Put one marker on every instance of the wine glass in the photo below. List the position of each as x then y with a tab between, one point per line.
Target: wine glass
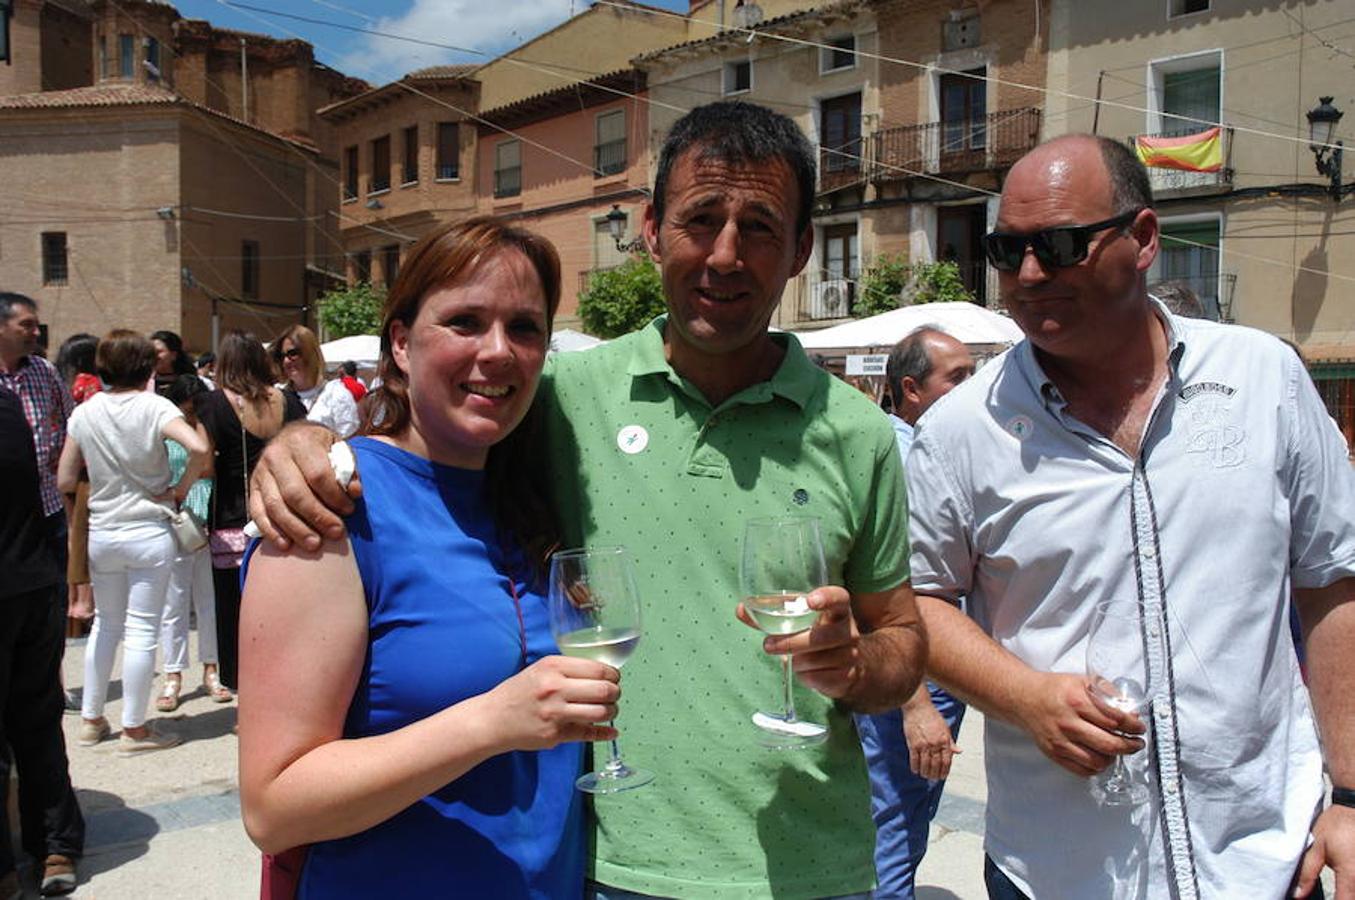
783	562
595	614
1124	654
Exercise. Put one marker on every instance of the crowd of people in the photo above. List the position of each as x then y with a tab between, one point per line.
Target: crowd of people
407	721
130	466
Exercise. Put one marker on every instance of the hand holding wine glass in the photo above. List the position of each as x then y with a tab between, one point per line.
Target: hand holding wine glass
782	564
1124	641
595	614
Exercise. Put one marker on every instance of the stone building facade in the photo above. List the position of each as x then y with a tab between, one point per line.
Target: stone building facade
156	194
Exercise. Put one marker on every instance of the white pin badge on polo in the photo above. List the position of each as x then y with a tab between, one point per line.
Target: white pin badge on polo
632	439
1020	427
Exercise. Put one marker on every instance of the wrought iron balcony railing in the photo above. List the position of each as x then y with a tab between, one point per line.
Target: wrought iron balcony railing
994	141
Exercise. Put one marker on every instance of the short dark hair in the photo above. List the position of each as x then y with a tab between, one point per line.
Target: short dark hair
125	358
10	299
909	359
76	356
1129	183
349	367
1179	299
206	359
737	133
185	388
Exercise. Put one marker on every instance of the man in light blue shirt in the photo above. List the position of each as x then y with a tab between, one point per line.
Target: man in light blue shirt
1122	452
909	750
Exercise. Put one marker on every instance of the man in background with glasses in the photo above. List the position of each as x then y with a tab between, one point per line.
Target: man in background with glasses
1121	451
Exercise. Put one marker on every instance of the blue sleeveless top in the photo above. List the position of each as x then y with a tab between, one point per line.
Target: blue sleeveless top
443	627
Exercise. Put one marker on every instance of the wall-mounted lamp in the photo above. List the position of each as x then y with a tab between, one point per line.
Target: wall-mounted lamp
166	213
1322	121
616	224
374	203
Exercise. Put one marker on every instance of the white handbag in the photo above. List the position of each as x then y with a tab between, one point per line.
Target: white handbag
189	533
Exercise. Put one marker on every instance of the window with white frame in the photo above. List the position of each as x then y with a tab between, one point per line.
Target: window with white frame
1187	93
507	169
609	151
738	76
838	53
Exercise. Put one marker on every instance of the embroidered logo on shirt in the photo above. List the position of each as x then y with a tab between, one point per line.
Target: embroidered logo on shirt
1191	391
1020	427
801	496
1212	435
632	439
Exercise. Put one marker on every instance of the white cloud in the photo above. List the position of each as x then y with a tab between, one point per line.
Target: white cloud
489	26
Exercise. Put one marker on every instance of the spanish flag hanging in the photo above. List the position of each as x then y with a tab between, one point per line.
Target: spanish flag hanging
1201	152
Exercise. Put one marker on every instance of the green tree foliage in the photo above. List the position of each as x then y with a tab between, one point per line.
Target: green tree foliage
621	300
352	310
890	282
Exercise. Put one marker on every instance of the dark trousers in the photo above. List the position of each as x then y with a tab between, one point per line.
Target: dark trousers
32	637
227	584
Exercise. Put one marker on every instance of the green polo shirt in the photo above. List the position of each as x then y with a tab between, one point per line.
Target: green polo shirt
641	459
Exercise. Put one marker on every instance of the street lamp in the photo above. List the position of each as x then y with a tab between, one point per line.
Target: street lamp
616	224
1322	122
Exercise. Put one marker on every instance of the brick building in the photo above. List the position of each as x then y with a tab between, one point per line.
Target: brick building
561	161
158	193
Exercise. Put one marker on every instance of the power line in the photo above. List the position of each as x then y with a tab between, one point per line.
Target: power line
929	67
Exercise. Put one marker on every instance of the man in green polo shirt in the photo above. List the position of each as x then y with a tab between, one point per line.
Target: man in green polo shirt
667	441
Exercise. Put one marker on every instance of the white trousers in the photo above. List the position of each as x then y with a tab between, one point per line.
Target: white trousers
129	569
190	585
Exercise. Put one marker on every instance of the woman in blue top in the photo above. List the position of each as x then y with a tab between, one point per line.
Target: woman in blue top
403	710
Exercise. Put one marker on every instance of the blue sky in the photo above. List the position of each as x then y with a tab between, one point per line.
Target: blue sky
488	26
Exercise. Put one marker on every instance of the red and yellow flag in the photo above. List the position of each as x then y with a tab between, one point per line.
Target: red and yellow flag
1201	152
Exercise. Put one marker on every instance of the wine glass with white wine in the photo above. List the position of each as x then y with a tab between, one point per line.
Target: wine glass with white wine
595	614
1125	638
782	562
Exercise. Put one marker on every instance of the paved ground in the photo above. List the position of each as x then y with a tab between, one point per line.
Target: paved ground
168	824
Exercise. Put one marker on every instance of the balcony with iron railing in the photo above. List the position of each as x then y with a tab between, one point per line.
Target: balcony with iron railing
994	141
1169	182
825	296
840	165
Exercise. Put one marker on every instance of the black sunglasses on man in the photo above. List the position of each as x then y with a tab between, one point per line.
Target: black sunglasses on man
1055	248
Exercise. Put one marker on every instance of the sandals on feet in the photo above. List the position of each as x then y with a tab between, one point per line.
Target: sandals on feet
211	682
168	701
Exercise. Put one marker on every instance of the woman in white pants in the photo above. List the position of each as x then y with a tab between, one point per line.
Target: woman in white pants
120	436
190	579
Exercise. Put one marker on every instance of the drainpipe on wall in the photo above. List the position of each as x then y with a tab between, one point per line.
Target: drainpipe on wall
244	83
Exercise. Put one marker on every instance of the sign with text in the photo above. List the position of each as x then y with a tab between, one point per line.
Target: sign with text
866	363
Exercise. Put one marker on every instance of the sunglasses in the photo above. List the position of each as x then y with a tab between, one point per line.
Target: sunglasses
1055	248
291	354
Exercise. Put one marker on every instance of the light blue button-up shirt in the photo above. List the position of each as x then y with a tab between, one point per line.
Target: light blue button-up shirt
1242	491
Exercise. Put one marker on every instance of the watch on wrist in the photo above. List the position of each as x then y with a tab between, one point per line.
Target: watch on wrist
1342	796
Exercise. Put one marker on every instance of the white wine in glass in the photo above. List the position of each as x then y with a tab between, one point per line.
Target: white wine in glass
1125	637
595	614
782	562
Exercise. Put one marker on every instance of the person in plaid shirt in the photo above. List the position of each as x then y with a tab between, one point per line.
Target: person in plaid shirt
46	401
50	821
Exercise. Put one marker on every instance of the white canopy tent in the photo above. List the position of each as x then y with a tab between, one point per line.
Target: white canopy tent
966	322
363	349
566	340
